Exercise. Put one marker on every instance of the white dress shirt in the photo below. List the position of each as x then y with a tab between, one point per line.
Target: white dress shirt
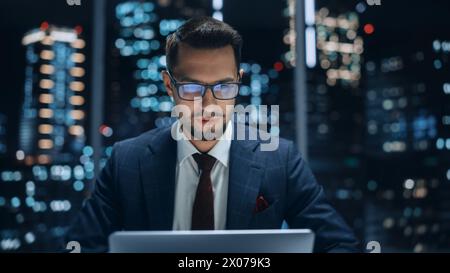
188	175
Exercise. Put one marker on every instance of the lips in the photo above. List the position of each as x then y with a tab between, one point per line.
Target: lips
204	121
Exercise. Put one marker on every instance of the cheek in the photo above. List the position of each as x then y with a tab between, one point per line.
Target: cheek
224	108
183	108
228	108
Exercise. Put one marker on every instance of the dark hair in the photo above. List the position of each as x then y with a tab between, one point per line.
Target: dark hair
203	33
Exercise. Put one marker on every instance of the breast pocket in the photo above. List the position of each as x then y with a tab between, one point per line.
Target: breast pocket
266	219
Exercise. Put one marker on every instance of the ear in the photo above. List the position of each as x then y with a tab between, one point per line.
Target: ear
241	73
167	83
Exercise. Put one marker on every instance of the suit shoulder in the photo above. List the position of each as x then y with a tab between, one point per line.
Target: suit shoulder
285	144
143	139
289	149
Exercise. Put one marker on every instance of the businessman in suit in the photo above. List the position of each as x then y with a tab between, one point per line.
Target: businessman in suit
160	182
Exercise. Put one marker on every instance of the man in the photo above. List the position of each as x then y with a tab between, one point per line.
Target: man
173	181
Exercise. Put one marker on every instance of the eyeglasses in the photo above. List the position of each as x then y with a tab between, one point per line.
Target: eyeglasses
190	90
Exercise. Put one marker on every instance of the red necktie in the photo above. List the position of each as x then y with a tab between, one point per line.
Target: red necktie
203	209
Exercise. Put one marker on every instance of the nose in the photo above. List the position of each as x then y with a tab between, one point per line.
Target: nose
208	98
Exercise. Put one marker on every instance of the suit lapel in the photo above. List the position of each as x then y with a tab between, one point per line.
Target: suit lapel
157	171
244	182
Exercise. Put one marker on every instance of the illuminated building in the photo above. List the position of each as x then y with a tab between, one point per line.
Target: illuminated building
339	46
47	176
335	102
53	115
408	146
378	140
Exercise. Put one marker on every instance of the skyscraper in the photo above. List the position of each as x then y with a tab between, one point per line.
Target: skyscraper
52	127
335	97
408	145
378	121
45	179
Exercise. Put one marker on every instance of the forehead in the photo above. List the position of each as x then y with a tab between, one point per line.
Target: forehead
206	65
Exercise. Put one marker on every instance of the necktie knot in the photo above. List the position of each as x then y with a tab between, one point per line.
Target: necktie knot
205	162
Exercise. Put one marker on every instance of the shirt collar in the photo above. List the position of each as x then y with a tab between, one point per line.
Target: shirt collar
220	151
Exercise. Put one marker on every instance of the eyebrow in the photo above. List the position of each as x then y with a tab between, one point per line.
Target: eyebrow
188	79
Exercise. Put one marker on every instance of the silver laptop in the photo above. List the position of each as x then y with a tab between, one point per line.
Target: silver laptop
215	241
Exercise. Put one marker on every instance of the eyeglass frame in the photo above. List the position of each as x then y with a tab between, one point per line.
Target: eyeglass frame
206	86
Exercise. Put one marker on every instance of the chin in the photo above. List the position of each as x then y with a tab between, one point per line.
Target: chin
210	128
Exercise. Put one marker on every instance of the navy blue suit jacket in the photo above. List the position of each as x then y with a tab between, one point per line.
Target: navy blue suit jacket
136	188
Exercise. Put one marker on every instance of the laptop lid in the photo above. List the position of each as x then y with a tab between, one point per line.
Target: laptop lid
214	241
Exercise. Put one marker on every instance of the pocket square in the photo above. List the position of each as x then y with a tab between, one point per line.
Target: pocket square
261	204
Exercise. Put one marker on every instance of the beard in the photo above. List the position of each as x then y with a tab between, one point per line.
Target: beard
210	132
